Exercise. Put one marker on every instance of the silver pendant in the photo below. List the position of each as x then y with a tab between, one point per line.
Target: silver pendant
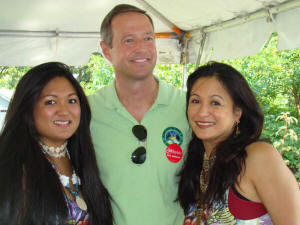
81	203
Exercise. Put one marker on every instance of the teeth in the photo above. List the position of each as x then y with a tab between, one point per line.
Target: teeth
61	122
205	124
140	60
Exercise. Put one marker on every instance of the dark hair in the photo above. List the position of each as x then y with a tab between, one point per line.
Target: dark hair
106	31
230	153
30	188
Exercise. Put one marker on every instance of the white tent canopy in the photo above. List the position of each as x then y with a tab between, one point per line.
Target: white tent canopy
36	31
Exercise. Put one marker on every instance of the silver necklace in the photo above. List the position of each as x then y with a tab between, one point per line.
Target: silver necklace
56	152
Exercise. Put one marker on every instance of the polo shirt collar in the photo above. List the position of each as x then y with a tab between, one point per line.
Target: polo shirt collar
163	94
114	102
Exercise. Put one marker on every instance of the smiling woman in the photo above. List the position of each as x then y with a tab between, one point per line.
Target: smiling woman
48	165
230	176
57	112
211	112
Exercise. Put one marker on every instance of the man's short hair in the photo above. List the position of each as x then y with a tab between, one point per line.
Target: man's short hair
106	31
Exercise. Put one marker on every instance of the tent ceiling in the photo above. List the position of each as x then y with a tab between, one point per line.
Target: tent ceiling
35	31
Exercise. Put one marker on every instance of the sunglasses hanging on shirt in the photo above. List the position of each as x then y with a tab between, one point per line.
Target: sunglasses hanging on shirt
139	155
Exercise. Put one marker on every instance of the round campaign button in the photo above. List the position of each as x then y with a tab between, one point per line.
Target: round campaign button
174	153
172	135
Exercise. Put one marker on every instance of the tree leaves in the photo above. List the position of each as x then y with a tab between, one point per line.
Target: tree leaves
273	75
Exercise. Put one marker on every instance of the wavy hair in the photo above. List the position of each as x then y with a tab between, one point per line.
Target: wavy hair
30	189
230	153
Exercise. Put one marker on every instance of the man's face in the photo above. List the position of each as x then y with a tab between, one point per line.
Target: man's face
133	52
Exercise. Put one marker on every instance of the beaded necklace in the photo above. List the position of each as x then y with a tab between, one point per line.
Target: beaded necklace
56	152
204	180
204	175
65	180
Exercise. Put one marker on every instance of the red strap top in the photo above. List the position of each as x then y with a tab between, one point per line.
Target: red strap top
242	209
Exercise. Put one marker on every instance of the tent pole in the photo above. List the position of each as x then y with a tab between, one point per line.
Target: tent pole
201	49
53	33
160	16
252	16
184	60
184	78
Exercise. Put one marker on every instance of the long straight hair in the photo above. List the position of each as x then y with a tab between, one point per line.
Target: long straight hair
230	153
30	190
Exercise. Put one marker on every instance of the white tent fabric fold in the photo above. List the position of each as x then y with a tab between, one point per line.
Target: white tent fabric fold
34	31
288	27
30	51
239	41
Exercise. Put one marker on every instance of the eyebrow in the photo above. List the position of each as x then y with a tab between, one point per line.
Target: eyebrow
133	35
55	96
150	32
212	96
194	94
218	96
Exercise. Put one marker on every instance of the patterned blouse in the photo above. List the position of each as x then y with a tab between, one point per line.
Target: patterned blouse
235	211
77	216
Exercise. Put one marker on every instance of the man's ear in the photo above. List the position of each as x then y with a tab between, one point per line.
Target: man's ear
105	50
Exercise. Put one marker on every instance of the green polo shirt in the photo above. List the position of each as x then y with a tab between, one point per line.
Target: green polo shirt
142	194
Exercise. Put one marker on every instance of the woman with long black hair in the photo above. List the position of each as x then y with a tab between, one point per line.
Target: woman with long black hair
230	176
48	169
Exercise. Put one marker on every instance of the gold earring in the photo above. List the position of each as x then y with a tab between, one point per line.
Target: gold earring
237	129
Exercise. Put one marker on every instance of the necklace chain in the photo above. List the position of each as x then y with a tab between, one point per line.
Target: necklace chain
206	167
204	180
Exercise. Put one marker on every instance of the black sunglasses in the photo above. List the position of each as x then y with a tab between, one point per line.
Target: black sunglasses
139	155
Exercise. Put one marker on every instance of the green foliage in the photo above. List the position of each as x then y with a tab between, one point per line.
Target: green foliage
9	76
273	75
287	138
97	73
172	73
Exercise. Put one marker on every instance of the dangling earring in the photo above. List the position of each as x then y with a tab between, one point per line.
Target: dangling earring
237	129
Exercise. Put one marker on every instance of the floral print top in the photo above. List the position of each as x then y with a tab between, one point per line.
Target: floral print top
77	216
235	211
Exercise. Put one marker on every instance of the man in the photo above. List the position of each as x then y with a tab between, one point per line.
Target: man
139	127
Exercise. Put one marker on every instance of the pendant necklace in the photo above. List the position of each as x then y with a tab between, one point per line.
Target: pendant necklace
64	180
76	181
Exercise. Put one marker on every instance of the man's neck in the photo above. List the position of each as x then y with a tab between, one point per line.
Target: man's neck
137	96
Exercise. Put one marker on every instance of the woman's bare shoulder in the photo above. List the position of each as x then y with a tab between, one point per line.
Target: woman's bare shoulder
261	150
